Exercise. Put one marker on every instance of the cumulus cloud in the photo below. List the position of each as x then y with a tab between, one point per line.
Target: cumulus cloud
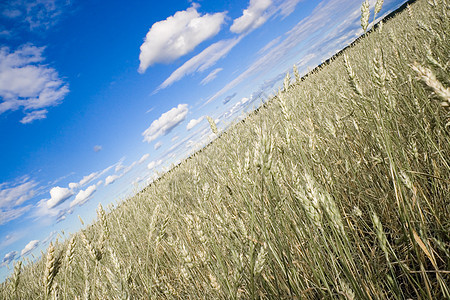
252	17
83	196
58	195
9	257
143	158
202	61
111	179
29	247
25	84
178	35
154	164
157	145
211	76
97	148
166	122
73	185
194	122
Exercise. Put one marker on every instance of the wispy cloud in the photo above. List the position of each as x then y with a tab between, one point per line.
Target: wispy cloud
229	98
286	7
252	17
13	196
157	145
143	158
154	164
202	61
88	178
37	14
310	33
211	76
12	214
83	196
178	35
237	107
16	194
166	122
25	84
98	148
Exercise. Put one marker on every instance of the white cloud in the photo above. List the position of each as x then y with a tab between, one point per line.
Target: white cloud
157	145
83	196
322	29
58	195
97	148
154	164
269	45
175	138
110	179
88	178
13	195
194	122
211	76
166	122
25	84
17	194
252	17
287	7
128	169
202	61
37	14
9	257
29	247
143	158
236	107
178	35
11	214
34	115
73	185
99	183
119	167
11	13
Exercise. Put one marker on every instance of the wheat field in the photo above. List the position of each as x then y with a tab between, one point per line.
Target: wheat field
336	188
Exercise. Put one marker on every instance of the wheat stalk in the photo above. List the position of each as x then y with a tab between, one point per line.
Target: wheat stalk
427	76
50	270
16	277
365	15
352	77
212	124
70	253
93	252
296	74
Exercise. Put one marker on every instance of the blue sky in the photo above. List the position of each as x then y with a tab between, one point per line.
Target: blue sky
99	97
